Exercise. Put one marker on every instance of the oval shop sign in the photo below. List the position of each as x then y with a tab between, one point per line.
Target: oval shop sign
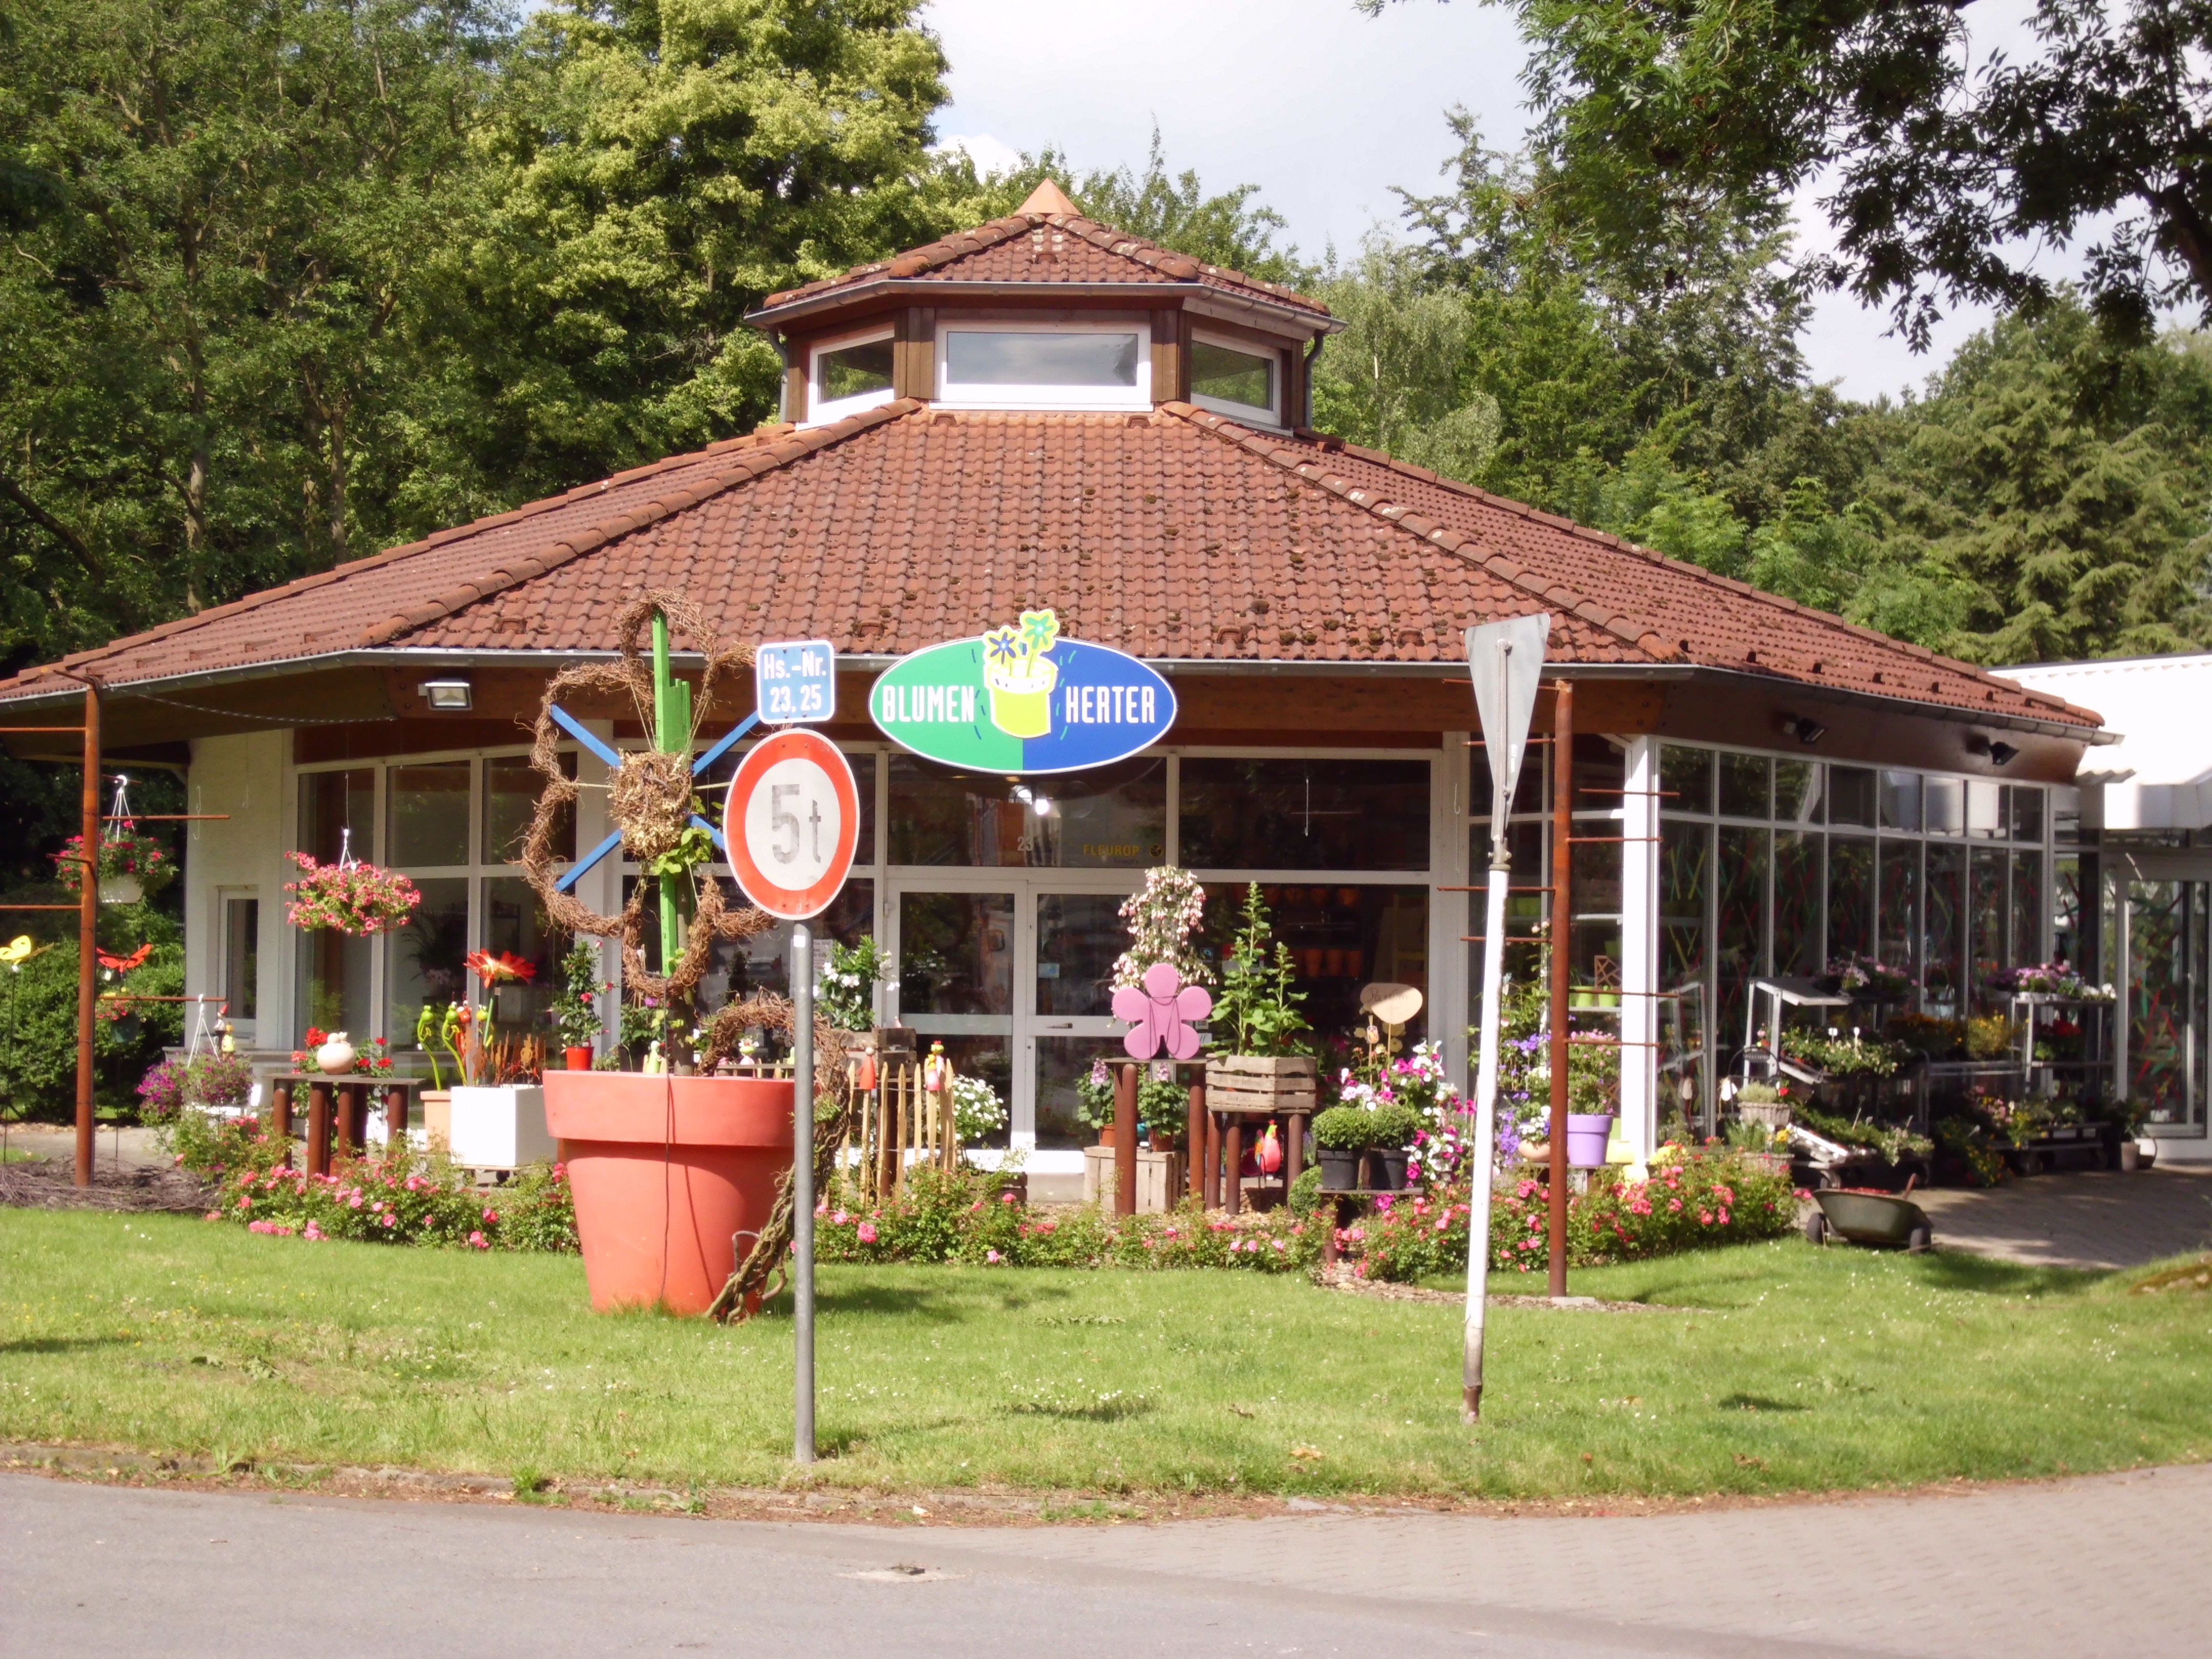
1021	699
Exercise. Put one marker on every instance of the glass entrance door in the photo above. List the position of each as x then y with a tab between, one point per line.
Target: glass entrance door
1014	972
2165	1027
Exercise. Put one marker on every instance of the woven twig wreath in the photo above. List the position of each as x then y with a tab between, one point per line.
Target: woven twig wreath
648	798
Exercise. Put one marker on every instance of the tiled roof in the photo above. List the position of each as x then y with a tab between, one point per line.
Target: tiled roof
1046	247
1172	534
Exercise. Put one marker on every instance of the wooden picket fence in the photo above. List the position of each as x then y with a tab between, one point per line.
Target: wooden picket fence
895	1129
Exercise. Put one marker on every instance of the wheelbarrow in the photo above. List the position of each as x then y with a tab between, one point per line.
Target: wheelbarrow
1890	1220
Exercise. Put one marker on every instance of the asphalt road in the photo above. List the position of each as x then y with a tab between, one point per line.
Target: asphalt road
2098	1566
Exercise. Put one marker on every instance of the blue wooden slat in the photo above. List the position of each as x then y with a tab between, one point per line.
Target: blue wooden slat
575	728
722	745
713	831
576	871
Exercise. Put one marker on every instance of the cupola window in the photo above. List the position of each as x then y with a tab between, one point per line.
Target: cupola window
1234	381
850	375
1015	366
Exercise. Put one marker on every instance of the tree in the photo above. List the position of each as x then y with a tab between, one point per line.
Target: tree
1944	169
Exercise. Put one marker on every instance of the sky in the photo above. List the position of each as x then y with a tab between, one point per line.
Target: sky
1323	107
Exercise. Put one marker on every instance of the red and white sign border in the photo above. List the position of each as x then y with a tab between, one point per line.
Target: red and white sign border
791	743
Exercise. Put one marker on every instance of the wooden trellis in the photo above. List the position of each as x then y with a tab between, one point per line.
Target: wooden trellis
896	1128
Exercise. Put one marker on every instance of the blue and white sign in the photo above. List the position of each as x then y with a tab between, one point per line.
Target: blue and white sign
795	682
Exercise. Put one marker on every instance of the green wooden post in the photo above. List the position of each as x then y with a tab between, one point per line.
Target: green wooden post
672	714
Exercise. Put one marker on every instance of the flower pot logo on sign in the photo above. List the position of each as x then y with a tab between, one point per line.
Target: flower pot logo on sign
1022	699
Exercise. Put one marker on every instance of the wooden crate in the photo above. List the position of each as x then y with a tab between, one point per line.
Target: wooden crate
1256	1083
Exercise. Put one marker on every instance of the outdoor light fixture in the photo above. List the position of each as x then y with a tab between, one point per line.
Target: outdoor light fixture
450	696
1806	732
1998	753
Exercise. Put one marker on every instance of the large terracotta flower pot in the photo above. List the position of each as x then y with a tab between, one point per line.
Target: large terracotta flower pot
665	1170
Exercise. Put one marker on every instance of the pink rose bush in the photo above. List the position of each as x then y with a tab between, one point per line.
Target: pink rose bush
1698	1201
394	1197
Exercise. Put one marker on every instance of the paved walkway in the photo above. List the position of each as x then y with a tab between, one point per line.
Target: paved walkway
128	1149
2095	1219
2108	1566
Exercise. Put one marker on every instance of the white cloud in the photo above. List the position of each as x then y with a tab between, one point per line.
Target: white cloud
990	154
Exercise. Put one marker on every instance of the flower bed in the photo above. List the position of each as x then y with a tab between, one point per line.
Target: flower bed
1696	1203
976	1218
397	1197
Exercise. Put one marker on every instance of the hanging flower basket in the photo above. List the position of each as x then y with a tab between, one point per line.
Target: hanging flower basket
352	898
131	867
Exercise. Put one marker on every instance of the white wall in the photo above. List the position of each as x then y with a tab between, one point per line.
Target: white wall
243	776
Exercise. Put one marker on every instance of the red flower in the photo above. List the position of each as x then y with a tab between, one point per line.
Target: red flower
498	969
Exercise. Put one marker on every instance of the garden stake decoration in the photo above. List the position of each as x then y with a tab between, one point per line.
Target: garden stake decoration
651	801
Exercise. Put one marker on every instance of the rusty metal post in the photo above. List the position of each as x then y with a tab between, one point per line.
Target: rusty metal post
319	1128
1212	1194
280	1116
1294	1160
1125	1139
1193	1141
395	1114
1563	870
87	933
1232	1165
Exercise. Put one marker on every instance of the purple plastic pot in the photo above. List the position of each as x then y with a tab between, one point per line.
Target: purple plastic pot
1586	1139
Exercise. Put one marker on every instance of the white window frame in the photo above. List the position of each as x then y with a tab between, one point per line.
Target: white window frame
1138	397
821	411
1235	411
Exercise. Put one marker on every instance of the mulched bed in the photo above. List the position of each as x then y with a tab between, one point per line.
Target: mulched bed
44	1184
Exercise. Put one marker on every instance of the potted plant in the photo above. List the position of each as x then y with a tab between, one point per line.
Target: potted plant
846	996
576	1009
496	1115
1593	1099
349	896
1340	1136
1392	1125
1258	1063
1094	1097
129	866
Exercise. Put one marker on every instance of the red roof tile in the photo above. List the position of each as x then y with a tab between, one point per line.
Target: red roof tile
1040	247
1172	535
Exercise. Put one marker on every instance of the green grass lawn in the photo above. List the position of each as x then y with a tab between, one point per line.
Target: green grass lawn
1798	1369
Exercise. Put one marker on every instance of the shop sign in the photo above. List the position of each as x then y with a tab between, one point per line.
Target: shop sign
1021	699
795	682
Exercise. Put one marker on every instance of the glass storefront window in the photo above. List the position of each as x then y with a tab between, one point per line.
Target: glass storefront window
1304	814
1985	819
1900	801
1851	796
1985	915
1898	911
2024	806
1746	782
1797	935
1685	776
1850	896
430	815
425	960
1944	944
1080	936
515	922
1796	792
1112	818
331	803
1741	911
511	786
956	953
1340	938
2026	909
1944	803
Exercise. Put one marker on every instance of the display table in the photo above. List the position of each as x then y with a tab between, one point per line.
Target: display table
337	1111
1217	1182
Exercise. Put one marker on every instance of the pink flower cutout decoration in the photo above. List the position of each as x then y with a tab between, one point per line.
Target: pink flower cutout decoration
1160	1014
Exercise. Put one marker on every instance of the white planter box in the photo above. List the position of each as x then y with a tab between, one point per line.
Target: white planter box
502	1128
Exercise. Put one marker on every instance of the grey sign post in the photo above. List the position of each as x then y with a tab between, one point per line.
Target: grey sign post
1506	659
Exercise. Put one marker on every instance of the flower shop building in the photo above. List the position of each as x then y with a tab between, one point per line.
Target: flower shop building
1043	413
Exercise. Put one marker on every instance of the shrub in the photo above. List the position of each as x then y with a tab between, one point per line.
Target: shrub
216	1146
38	1059
162	1091
218	1079
1698	1202
1343	1128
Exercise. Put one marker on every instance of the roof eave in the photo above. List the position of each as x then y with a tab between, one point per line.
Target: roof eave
921	290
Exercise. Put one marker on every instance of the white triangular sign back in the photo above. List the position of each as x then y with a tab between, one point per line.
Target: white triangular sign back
1506	659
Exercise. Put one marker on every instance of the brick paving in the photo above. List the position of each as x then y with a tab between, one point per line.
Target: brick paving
2100	1220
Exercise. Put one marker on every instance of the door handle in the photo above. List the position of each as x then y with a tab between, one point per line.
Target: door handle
1055	1025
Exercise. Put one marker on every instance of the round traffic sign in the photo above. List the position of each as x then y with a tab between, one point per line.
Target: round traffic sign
792	820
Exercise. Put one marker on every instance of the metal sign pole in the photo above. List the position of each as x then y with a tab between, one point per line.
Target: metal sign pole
1505	659
802	1185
